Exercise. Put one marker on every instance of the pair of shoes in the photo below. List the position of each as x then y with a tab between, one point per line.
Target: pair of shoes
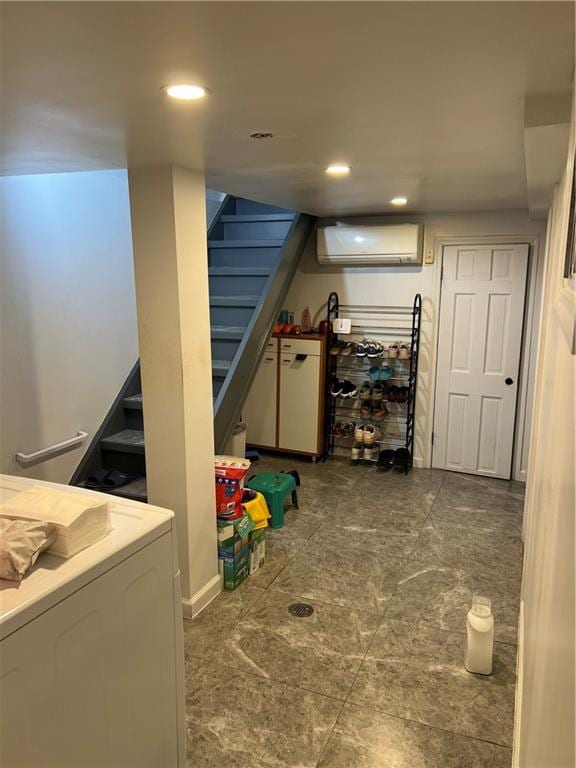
109	480
369	348
366	437
398	394
399	350
399	458
343	348
372	391
380	373
343	429
343	389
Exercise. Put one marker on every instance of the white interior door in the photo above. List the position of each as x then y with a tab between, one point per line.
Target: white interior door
481	313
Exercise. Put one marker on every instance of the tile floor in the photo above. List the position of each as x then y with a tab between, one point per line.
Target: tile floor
375	677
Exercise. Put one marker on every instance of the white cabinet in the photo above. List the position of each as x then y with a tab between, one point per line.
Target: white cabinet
285	407
260	408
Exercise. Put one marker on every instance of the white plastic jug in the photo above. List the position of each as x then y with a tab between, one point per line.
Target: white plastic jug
480	633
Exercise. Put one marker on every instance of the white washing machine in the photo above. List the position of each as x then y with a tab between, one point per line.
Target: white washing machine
91	649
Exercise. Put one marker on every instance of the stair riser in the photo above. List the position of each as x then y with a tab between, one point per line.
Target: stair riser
251	207
216	386
243	257
134	419
231	315
255	230
125	462
236	285
224	350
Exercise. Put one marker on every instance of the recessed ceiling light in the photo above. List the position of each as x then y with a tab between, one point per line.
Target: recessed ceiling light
399	200
358	239
338	169
185	91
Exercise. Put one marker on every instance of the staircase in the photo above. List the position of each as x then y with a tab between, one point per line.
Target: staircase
253	252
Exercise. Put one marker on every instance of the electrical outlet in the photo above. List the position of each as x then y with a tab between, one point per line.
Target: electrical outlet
428	256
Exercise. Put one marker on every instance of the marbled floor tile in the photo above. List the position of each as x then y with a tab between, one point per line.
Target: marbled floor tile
364	738
482	493
217	620
279	551
349	577
507	523
321	653
244	721
444	594
423	480
298	524
191	666
478	550
375	512
417	672
380	538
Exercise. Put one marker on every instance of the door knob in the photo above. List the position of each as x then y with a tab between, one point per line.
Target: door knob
508	381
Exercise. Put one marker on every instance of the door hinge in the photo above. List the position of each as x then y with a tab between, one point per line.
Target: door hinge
442	271
432	438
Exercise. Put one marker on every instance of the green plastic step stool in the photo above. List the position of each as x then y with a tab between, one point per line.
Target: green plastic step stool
275	486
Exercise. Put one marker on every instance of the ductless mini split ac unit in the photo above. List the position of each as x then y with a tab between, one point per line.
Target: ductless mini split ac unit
370	246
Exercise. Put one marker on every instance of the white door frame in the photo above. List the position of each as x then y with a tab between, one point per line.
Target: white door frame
528	350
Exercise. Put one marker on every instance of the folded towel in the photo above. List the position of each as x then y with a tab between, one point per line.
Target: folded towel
78	519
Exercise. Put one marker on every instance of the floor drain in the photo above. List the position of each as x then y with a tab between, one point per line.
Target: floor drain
301	610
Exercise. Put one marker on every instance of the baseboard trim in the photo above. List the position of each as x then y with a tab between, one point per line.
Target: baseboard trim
419	463
191	606
519	686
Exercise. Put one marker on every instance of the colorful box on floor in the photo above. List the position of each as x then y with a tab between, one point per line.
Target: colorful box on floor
233	535
235	569
257	549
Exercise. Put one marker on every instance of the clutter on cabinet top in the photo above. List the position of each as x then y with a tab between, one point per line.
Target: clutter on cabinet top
21	541
79	520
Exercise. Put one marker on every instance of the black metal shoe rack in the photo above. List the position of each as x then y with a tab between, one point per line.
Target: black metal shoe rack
385	325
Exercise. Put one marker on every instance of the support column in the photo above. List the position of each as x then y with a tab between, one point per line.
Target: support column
168	209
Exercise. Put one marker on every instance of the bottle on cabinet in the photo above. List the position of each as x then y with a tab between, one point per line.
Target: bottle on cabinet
480	637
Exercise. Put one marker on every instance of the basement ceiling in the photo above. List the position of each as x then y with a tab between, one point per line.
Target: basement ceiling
422	99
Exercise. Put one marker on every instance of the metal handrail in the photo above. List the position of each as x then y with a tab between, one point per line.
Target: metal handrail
45	453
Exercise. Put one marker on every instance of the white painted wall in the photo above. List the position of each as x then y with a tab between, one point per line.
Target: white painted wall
68	329
545	702
398	285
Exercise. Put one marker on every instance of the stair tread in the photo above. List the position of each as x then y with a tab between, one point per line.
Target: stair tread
133	401
237	271
276	243
127	438
227	331
233	301
239	218
221	365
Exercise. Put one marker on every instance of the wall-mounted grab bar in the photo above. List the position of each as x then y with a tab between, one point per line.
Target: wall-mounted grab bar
45	453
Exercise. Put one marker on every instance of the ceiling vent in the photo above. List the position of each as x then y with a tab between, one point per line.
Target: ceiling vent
370	246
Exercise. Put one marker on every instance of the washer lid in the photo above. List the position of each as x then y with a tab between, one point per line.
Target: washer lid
51	578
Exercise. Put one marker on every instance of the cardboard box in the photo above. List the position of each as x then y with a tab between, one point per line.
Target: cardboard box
257	549
235	569
233	536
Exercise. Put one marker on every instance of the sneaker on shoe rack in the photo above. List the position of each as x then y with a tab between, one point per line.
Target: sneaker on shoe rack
366	408
359	433
348	389
356	452
371	434
336	388
365	391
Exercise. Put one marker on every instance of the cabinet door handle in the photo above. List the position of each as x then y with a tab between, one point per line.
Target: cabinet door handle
268	359
287	361
286	346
